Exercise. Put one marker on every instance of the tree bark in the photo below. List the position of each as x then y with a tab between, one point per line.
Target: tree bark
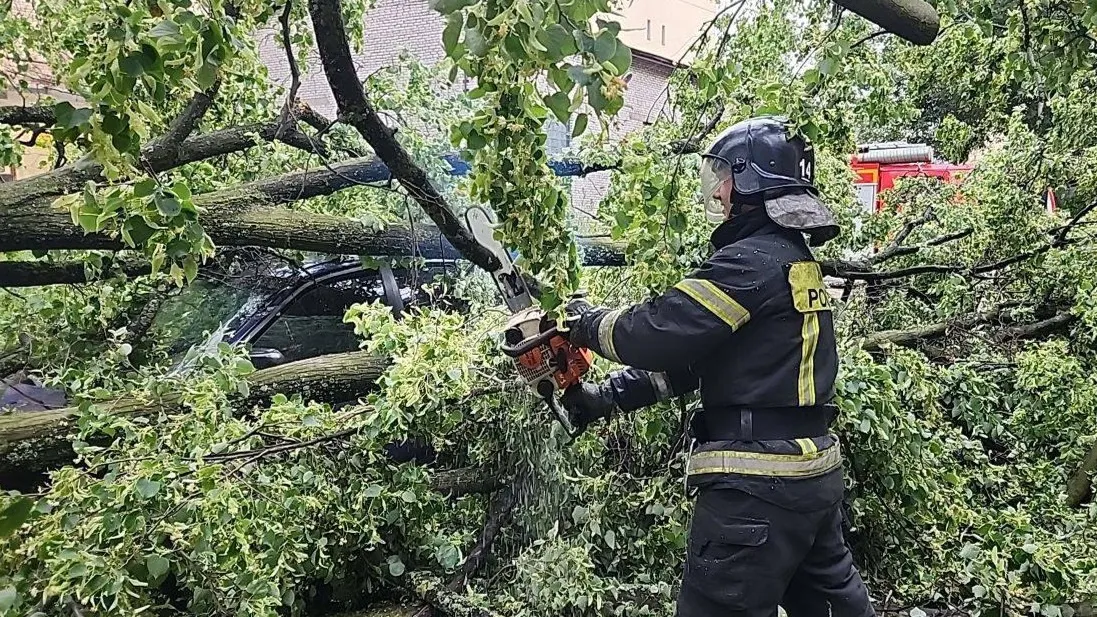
160	156
32	442
34	114
914	20
1079	486
36	273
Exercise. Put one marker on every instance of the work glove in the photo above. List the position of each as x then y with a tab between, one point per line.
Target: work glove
587	402
574	310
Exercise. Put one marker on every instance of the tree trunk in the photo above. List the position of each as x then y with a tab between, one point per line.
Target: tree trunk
33	442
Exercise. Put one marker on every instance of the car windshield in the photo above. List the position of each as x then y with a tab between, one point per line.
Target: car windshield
203	307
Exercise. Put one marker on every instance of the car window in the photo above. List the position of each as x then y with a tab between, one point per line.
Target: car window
312	324
202	307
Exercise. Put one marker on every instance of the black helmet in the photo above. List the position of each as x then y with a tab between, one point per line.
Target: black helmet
765	160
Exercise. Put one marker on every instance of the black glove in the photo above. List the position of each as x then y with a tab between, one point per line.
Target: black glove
575	308
587	402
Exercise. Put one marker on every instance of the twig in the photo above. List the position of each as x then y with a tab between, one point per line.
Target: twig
294	70
257	454
867	38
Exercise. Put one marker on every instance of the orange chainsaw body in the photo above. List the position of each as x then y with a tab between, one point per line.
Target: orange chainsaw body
543	357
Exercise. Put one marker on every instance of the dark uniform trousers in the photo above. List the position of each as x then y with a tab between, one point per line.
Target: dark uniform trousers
752	330
747	555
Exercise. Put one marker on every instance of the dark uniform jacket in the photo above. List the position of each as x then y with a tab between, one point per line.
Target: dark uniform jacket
752	328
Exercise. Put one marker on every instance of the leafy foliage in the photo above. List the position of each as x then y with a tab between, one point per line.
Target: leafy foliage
958	449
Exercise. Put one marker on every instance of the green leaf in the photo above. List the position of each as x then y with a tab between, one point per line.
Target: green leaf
69	117
168	205
190	269
157	566
373	491
207	75
136	231
147	488
560	104
475	42
452	34
132	65
580	125
561	80
8	598
181	190
446	7
595	97
408	496
559	42
622	59
605	46
144	188
13	516
580	75
396	567
611	538
166	27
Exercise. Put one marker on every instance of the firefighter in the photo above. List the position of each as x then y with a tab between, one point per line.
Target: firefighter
752	329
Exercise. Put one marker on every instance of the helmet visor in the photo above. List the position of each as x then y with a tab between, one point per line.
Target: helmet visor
714	172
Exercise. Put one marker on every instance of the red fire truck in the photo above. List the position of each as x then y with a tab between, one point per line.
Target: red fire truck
878	166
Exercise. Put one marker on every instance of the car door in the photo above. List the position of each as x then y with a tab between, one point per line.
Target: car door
309	322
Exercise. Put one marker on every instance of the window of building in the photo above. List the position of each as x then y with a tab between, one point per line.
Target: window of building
664	36
649	29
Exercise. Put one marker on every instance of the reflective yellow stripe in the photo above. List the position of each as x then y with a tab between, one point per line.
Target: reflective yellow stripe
763	464
806	383
605	335
715	300
807	446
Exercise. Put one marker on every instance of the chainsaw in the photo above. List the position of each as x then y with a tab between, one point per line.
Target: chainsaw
546	361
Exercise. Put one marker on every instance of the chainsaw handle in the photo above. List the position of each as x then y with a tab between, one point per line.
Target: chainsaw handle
528	344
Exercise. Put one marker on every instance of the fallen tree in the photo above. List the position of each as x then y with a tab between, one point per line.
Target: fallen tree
33	442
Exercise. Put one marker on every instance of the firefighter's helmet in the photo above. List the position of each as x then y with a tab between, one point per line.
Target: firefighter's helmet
767	165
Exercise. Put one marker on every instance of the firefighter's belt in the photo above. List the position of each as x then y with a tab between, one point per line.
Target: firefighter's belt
764	423
805	465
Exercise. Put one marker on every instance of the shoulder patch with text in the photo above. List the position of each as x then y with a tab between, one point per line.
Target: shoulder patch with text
809	293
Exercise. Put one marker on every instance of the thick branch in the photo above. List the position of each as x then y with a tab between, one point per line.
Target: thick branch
1044	327
913	336
14	115
35	273
188	120
1079	487
33	442
159	156
356	110
913	20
